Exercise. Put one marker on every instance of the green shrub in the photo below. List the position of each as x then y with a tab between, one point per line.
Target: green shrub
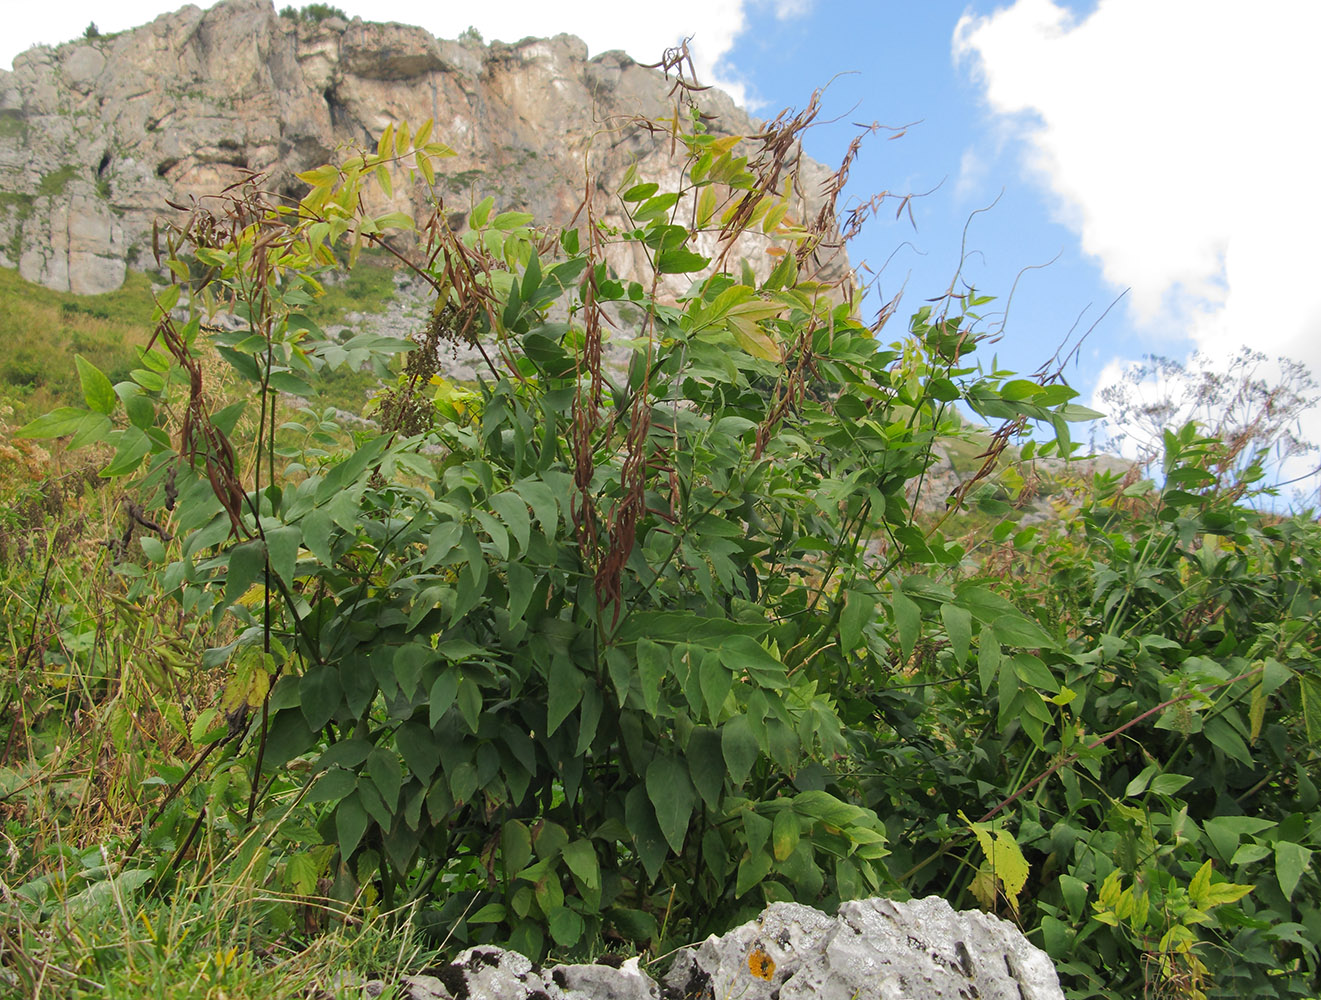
589	653
313	13
582	668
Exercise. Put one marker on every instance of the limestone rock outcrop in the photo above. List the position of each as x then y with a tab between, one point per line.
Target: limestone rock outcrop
874	949
97	134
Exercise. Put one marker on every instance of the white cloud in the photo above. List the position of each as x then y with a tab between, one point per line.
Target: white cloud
1176	139
972	171
643	31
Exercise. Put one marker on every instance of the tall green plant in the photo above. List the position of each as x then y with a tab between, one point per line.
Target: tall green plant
568	645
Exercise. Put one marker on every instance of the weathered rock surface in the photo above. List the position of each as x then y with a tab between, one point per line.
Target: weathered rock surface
486	973
96	134
875	949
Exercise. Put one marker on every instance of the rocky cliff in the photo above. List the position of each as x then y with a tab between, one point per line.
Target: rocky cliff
96	135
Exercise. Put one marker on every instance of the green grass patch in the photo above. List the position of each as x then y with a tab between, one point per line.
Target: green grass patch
21	204
42	330
54	183
12	125
367	288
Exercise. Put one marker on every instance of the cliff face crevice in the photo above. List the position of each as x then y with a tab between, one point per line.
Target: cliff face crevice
98	134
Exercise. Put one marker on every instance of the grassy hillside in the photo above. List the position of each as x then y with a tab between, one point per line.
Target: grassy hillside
41	331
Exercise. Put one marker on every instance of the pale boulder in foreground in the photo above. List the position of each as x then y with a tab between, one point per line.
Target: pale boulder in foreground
875	949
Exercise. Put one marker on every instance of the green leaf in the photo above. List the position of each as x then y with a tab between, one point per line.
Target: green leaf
1169	784
418	747
752	870
566	690
348	472
565	926
716	682
443	692
513	511
332	786
515	847
1310	686
141	412
57	423
859	610
653	665
470	702
681	260
246	562
300	873
491	913
350	824
580	856
98	393
646	832
1291	860
320	695
785	832
316	527
908	620
408	662
463	782
282	543
345	753
522	582
1226	738
706	764
481	212
739	746
1016	630
958	626
743	653
1033	672
133	447
821	805
386	774
94	428
1225	832
673	798
541	498
756	829
508	221
640	192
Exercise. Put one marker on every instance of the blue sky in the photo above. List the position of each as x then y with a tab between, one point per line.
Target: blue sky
1160	148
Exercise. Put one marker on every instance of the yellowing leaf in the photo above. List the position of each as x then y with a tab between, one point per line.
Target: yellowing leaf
983	888
774	217
725	144
1004	859
706	206
749	336
323	174
757	309
1257	712
784	834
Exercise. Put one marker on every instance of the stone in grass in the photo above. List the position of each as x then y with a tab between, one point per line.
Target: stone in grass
875	949
486	973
